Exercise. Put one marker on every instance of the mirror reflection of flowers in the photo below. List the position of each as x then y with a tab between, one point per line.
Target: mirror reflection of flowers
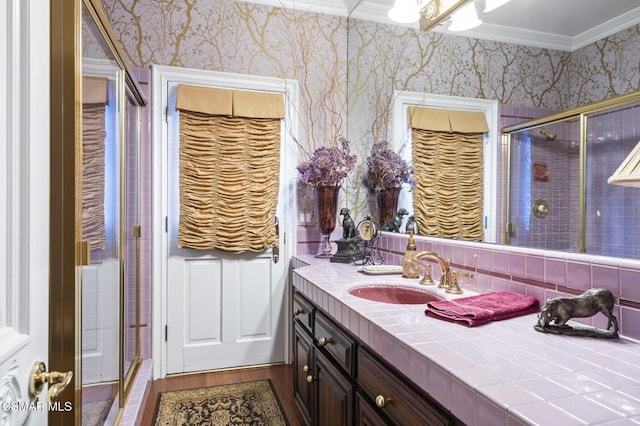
386	168
328	166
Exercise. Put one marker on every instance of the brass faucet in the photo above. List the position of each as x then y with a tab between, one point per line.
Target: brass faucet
448	279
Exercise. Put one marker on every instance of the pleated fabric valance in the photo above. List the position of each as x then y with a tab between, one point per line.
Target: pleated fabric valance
448	192
229	170
237	103
447	120
94	99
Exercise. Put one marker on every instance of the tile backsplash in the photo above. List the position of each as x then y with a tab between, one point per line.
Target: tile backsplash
540	273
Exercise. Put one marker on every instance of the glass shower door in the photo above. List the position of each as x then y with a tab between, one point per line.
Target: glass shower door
543	187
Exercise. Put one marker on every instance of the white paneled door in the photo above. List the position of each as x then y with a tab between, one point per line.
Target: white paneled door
223	310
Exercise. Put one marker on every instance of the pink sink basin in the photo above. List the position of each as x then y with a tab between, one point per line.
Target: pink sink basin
394	294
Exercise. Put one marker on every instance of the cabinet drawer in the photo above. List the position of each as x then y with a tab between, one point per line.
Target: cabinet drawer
400	402
337	343
303	311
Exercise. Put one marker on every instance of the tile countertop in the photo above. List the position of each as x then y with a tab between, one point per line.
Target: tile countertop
501	373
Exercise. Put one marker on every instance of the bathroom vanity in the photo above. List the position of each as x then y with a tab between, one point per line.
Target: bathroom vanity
364	362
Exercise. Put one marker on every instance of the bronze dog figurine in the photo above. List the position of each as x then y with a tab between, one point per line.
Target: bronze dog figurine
348	227
561	309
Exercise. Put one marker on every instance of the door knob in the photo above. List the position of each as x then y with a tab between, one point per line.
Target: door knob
57	381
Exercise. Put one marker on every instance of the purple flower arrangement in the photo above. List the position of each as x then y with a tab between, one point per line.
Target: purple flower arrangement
386	168
328	166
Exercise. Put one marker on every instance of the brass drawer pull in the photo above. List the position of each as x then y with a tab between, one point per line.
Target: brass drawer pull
323	341
382	402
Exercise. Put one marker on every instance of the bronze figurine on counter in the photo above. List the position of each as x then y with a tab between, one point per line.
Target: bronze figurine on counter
560	309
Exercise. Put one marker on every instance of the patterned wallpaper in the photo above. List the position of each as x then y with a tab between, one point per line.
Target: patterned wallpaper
320	51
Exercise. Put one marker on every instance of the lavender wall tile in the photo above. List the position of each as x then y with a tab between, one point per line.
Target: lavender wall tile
630	321
578	275
517	264
500	261
606	277
630	284
555	270
534	267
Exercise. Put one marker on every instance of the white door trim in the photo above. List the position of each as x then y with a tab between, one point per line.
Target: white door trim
161	75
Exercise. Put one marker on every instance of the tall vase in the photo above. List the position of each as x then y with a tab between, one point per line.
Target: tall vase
387	204
327	207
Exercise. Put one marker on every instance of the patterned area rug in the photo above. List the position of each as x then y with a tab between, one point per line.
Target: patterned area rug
249	403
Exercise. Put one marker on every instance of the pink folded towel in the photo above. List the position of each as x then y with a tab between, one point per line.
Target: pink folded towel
483	308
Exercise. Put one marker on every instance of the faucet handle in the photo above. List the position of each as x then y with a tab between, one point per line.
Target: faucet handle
427	280
454	287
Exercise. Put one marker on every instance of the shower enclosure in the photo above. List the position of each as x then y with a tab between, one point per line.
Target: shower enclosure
109	223
557	195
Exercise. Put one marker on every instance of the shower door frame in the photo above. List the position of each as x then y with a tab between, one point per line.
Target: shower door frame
580	114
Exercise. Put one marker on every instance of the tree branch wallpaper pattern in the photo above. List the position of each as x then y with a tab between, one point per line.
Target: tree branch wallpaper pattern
348	69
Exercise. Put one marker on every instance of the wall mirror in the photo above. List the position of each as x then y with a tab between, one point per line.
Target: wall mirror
386	60
108	230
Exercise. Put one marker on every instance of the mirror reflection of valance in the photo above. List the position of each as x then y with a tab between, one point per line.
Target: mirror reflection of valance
448	192
229	169
95	90
95	95
447	120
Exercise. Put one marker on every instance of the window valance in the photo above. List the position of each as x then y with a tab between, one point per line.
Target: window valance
447	120
228	102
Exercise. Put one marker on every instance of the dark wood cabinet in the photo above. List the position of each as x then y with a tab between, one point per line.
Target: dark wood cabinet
303	363
366	415
340	382
334	394
394	397
323	365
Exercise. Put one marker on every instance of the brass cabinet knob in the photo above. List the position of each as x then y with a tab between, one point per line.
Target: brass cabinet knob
309	378
323	341
57	381
297	312
305	368
382	402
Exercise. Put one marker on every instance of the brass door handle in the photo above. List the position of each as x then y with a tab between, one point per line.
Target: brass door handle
309	378
297	312
305	368
57	381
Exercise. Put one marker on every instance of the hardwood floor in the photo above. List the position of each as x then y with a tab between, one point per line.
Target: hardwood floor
281	376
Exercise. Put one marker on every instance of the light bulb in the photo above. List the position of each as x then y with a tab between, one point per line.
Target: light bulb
404	12
465	18
493	4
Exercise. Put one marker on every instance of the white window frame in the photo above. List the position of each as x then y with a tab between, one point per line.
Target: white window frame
402	100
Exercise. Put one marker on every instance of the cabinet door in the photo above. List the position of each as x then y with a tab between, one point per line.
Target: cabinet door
303	367
366	415
335	394
402	403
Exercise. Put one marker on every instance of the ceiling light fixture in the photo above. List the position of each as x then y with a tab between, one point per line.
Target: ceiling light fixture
465	18
433	12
